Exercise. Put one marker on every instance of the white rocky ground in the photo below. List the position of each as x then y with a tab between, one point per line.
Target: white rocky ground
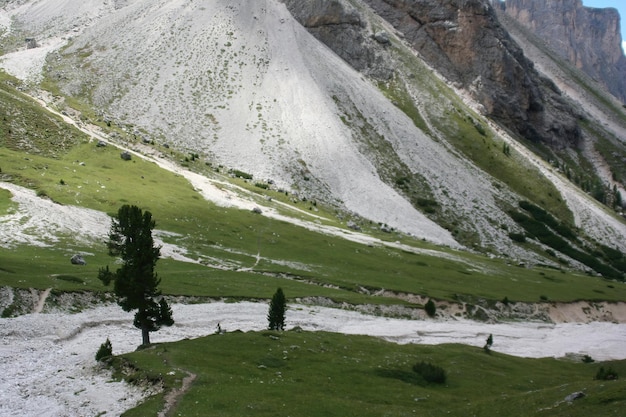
48	364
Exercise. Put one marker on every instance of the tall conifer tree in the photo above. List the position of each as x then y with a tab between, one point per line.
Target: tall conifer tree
135	283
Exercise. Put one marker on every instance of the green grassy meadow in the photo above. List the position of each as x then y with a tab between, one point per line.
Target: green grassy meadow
323	374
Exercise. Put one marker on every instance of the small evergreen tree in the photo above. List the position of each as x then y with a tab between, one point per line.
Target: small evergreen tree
488	344
105	350
430	308
276	315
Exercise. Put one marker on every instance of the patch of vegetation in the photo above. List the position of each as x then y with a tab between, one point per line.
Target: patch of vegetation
431	373
455	122
321	374
6	205
71	278
608	374
26	127
554	234
398	93
241	174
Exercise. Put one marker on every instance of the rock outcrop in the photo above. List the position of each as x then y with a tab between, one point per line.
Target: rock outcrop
341	27
465	42
588	37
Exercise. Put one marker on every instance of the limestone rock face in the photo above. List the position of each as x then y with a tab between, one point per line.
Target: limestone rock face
589	38
342	28
465	42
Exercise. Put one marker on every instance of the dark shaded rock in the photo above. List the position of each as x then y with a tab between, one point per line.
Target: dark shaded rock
78	260
341	27
352	225
126	156
101	144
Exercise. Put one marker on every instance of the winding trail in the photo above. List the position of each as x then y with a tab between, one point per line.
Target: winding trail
42	301
172	397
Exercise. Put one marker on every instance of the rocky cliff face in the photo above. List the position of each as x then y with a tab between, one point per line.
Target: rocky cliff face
340	26
465	42
588	37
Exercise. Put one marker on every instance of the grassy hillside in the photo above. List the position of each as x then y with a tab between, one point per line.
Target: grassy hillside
63	165
323	374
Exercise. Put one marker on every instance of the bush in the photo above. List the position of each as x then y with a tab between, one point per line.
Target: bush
105	351
241	174
607	374
430	308
587	359
430	373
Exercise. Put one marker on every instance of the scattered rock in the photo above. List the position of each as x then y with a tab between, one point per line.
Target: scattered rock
126	156
78	260
352	225
101	144
257	210
382	37
574	396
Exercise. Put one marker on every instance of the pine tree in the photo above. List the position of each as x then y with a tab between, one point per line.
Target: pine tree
431	308
135	282
276	315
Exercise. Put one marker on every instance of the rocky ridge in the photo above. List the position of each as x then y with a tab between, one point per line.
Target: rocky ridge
588	37
465	41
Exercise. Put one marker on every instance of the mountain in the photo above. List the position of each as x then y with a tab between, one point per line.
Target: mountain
589	38
436	118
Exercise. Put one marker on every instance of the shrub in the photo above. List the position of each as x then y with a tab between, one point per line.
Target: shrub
588	359
241	174
488	344
430	373
517	237
430	308
607	374
105	351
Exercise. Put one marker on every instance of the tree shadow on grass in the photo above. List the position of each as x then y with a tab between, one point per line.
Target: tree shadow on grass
408	377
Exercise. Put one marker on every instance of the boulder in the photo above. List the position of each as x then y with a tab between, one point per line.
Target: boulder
126	156
78	260
382	37
574	396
